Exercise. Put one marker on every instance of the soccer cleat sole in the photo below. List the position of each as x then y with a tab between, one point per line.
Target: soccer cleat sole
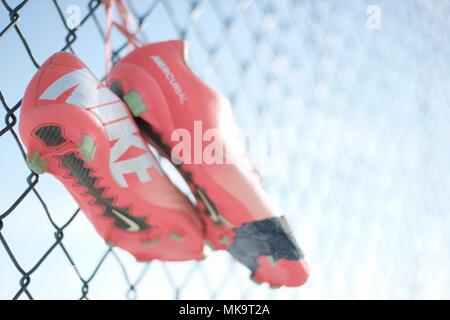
272	248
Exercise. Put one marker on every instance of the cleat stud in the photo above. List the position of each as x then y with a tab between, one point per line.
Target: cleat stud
36	164
109	243
149	243
175	236
210	245
224	239
274	287
87	148
271	260
203	256
255	281
135	103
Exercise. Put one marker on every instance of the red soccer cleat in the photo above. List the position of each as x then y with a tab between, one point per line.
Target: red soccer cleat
76	129
170	103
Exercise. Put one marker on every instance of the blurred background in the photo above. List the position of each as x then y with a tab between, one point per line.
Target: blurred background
359	93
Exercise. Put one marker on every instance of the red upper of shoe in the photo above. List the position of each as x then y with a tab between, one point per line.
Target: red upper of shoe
178	99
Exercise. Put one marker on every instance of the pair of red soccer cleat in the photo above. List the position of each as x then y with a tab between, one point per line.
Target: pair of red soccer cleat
94	139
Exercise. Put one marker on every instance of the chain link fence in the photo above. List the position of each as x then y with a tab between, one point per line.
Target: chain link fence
359	94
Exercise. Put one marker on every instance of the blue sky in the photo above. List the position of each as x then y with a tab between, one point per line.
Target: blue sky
363	116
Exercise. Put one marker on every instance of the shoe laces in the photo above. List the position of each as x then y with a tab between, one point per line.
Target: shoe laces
124	26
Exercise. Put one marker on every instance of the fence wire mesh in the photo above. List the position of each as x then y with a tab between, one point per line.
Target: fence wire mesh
360	94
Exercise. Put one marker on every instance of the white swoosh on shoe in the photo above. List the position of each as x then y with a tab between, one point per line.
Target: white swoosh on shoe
132	226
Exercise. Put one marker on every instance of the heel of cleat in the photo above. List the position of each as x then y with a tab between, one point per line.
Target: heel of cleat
268	248
36	164
87	148
135	103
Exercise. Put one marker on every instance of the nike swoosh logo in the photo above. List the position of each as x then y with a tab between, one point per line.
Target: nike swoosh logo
132	226
212	212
